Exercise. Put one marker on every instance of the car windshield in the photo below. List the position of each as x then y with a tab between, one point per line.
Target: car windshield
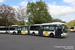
71	27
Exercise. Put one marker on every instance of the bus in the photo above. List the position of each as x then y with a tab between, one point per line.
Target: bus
16	29
3	29
72	28
55	29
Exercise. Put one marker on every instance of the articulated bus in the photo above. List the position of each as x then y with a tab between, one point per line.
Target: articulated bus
3	29
55	29
15	29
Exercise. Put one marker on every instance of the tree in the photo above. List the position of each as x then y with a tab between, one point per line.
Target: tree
13	22
71	23
58	20
21	23
21	14
2	23
38	13
7	14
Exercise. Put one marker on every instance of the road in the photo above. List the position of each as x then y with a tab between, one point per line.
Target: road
28	42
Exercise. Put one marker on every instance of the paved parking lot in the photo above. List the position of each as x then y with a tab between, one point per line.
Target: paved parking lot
28	42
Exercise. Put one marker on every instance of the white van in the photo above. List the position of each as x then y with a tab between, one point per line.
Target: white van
72	28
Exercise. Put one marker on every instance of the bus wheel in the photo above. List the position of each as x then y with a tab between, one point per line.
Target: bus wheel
14	33
6	32
51	35
33	34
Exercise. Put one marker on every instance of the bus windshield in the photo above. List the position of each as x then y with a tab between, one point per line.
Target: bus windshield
13	28
65	29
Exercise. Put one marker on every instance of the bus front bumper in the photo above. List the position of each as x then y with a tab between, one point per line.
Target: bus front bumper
64	34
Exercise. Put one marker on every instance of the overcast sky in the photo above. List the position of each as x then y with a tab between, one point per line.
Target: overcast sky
62	9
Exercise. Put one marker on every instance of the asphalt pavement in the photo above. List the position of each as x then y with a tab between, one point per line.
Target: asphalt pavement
28	42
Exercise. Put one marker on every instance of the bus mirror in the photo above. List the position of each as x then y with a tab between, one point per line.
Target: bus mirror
63	27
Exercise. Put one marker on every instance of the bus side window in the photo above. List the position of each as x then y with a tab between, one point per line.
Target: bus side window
41	28
11	28
37	28
26	28
1	28
15	28
32	28
46	28
23	28
56	28
52	28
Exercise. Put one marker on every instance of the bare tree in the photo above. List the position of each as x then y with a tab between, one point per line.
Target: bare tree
7	13
21	14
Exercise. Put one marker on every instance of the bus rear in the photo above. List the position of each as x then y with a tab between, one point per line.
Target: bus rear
18	29
3	29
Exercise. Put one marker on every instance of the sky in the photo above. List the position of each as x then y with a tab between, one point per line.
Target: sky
61	9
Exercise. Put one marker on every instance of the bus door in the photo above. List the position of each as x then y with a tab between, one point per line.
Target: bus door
58	31
19	30
24	30
41	31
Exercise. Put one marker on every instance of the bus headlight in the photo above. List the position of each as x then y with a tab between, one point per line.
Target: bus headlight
64	35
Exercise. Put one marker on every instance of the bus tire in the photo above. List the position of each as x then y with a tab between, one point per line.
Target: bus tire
51	35
14	33
33	34
6	32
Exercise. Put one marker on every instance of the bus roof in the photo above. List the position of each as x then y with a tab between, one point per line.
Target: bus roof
53	23
3	26
14	25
